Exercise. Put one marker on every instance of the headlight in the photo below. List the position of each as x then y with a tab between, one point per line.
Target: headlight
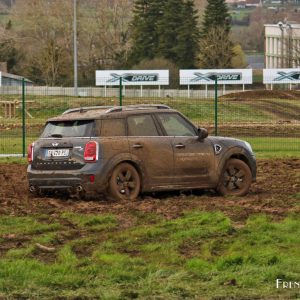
248	146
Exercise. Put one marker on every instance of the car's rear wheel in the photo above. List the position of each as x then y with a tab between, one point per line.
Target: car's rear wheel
124	182
236	178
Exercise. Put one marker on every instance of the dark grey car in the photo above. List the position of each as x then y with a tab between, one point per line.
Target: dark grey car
122	151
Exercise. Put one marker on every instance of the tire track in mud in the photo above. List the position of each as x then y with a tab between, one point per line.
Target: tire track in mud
284	111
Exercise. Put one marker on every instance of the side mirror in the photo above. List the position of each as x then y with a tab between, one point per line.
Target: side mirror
202	134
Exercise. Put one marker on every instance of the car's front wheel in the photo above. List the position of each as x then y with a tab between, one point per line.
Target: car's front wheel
236	178
124	182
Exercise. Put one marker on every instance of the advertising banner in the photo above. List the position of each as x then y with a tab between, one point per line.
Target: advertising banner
132	77
224	76
277	76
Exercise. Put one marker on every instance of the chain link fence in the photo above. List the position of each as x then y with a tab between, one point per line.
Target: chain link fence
270	120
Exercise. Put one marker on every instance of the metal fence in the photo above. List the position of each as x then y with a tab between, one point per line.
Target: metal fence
268	119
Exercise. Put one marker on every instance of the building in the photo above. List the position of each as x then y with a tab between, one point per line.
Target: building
282	45
7	79
253	3
244	3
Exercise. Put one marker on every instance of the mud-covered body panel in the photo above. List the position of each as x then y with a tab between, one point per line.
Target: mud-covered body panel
233	148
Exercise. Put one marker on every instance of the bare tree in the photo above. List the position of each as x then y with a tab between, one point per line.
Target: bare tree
46	37
216	49
104	32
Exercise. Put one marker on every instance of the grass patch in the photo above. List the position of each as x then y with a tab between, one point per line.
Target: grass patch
275	147
198	255
264	147
13	160
200	111
24	225
92	222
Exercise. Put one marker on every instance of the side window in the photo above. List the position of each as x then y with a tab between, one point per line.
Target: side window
142	125
175	125
112	127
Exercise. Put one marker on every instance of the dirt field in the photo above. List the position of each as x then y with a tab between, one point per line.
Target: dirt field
264	94
276	192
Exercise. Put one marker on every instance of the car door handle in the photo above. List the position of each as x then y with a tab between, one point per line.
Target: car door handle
180	146
137	146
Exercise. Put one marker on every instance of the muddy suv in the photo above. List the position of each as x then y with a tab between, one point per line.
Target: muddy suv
122	151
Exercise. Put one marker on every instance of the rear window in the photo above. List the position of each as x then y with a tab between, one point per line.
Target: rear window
78	128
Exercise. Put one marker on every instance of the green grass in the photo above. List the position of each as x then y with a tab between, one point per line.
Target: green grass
274	147
264	147
201	109
247	118
24	225
199	255
92	222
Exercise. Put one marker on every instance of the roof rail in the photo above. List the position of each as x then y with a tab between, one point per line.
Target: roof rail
84	109
139	106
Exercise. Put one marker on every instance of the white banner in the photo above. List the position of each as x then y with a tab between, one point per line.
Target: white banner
132	77
277	76
224	76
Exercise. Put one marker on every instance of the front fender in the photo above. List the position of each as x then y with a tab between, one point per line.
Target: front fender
240	153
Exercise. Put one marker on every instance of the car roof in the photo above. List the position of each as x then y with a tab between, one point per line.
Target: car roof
107	112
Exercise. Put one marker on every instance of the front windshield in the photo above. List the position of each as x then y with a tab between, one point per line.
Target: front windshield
78	128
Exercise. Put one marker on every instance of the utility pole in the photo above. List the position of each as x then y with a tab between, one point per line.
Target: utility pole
290	45
75	48
281	26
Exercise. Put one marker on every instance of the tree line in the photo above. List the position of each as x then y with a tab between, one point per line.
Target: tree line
37	39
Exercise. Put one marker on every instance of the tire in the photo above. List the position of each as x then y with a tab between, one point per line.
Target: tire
124	183
235	179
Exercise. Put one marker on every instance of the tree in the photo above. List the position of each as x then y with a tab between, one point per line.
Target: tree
143	28
200	6
8	51
239	60
103	36
46	38
161	64
216	14
216	50
165	29
178	33
216	47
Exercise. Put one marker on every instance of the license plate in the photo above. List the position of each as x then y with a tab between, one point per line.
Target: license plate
57	152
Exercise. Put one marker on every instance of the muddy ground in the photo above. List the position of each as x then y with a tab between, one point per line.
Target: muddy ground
264	94
276	192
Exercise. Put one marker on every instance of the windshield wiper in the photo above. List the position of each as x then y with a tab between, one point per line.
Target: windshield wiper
55	135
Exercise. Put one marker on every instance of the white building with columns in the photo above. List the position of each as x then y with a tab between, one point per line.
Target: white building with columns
282	45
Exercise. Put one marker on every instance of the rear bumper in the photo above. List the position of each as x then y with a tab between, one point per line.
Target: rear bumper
65	180
63	183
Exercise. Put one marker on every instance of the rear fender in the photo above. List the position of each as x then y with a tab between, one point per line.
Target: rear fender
124	158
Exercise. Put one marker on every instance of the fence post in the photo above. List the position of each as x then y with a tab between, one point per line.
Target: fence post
216	105
23	119
121	92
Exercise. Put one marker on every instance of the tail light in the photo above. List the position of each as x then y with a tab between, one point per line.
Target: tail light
30	153
91	152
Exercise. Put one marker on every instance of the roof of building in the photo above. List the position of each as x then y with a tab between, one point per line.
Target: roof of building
290	24
12	76
253	2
